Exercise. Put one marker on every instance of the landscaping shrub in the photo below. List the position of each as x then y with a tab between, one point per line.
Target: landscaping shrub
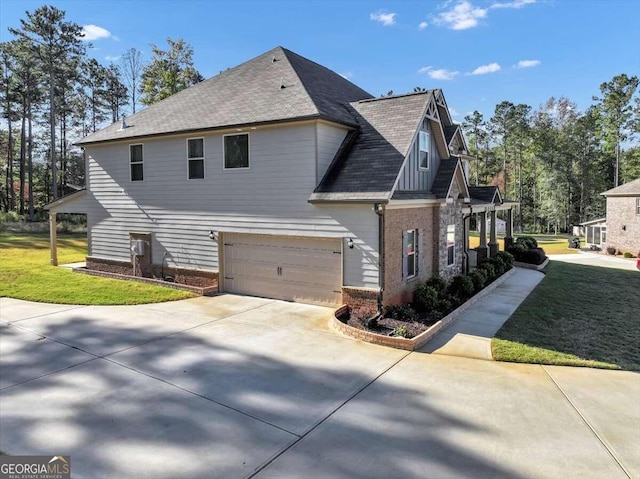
479	278
611	250
506	258
401	331
461	286
628	255
534	256
498	265
489	268
425	299
360	314
529	242
437	283
401	312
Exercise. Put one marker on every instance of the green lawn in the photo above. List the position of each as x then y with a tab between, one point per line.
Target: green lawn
26	273
552	244
577	316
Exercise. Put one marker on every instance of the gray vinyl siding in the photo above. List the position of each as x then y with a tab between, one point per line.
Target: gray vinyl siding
329	140
414	178
270	197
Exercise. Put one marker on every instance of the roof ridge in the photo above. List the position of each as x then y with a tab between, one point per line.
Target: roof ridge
391	97
295	71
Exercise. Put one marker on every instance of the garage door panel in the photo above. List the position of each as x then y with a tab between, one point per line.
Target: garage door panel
291	268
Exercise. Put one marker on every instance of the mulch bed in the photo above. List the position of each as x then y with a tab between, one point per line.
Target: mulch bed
388	325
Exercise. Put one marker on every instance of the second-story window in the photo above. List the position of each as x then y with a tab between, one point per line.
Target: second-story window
424	150
236	151
136	162
195	158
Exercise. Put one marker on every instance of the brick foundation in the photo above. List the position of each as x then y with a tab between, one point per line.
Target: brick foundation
190	277
360	298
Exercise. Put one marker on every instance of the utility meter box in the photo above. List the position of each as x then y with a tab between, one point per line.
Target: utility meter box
137	247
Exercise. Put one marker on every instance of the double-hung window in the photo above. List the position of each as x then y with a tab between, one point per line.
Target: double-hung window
451	245
638	206
423	147
195	158
236	151
136	162
409	253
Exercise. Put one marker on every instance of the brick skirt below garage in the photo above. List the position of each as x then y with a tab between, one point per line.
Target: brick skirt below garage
364	298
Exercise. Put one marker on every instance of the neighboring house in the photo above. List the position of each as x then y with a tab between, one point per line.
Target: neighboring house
595	233
623	217
280	178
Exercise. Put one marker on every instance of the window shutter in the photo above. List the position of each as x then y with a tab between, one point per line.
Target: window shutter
405	272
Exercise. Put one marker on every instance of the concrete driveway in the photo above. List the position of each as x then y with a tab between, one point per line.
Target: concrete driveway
597	259
246	387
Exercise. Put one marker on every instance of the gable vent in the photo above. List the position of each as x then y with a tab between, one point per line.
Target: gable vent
282	87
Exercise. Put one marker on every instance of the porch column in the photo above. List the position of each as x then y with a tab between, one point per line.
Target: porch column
53	239
508	239
482	248
466	223
493	241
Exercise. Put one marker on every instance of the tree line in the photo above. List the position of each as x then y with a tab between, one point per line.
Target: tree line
52	93
555	160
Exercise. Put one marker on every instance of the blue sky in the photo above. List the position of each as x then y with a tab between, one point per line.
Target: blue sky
479	52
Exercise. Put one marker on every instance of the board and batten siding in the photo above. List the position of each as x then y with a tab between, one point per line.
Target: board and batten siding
414	178
270	197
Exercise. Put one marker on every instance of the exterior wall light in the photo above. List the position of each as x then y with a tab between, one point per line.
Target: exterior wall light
212	235
350	243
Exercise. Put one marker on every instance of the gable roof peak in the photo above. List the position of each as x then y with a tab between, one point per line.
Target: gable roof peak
399	95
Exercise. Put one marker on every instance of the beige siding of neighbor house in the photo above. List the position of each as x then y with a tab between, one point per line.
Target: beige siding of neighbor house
270	197
621	211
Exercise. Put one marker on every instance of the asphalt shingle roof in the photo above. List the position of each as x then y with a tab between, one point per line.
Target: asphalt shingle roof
247	94
632	188
486	194
444	177
449	131
372	164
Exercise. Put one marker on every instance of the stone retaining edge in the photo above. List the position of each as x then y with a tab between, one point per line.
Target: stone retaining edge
417	342
537	267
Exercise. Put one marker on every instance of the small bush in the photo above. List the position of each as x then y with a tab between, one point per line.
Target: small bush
425	299
461	286
360	314
401	331
479	278
534	256
529	242
611	250
628	255
498	265
401	312
506	258
437	283
490	269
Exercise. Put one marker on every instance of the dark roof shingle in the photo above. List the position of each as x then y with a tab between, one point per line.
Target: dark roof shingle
247	94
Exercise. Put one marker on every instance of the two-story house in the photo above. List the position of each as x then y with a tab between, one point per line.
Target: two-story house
281	178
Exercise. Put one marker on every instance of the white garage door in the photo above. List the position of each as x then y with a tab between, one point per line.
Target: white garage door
306	270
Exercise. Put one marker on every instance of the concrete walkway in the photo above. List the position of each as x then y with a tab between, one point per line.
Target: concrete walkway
596	259
470	335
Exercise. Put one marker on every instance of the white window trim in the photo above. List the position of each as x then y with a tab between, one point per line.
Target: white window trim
224	160
415	257
638	206
204	170
449	265
428	152
131	180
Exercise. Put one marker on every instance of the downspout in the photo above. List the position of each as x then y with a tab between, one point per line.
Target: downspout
379	210
372	322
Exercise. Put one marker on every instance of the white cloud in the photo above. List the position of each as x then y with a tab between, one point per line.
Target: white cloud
462	16
453	112
514	4
528	63
439	73
387	19
94	32
112	58
484	69
347	75
423	25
